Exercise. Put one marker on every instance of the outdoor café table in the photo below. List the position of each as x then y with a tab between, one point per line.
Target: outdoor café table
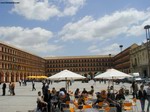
91	110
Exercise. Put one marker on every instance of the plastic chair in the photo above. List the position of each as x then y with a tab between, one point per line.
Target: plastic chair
85	99
72	109
127	106
107	109
76	104
87	106
134	103
67	102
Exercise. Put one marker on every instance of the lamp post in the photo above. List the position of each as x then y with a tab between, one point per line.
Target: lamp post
121	46
147	27
110	60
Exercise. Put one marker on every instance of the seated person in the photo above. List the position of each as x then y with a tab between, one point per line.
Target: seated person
41	104
77	93
111	95
54	98
81	102
84	92
91	91
120	95
101	97
53	92
63	99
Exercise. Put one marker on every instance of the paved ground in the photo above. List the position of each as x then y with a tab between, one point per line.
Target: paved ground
25	98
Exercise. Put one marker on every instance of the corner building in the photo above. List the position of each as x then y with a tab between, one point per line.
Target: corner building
17	64
122	60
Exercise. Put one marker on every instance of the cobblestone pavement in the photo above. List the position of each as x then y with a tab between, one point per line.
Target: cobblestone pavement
25	98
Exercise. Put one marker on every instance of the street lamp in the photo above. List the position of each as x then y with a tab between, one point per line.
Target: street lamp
121	46
110	60
147	27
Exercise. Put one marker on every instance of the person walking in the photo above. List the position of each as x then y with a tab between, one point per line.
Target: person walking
135	89
4	88
142	95
13	88
148	97
10	88
33	86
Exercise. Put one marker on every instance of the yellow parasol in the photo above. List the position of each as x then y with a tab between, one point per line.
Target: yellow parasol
31	77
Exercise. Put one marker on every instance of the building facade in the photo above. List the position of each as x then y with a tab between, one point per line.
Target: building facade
85	65
140	60
121	61
16	64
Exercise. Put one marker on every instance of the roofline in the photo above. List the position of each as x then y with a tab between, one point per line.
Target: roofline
6	44
71	57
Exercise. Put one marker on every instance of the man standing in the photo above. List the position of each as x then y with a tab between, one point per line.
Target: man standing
33	85
4	88
148	97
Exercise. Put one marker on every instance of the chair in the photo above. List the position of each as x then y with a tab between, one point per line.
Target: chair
72	109
127	106
134	103
67	102
86	98
87	106
76	104
107	109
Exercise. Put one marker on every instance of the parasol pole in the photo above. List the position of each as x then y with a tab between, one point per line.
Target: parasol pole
66	83
113	84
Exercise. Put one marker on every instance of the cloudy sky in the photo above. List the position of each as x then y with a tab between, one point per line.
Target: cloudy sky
73	27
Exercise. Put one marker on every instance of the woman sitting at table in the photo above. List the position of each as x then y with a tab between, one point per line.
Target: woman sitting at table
77	93
53	91
101	97
64	100
80	102
110	102
120	95
84	92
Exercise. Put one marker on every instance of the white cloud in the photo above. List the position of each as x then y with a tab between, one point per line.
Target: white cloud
127	22
34	40
111	49
45	9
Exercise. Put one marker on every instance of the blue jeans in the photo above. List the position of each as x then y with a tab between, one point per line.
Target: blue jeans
142	104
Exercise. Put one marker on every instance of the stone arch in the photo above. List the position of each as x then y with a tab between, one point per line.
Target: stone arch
12	77
7	77
21	76
25	76
17	76
1	76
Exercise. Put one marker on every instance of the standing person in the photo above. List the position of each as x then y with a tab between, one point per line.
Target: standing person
10	88
20	82
148	97
4	88
142	95
33	86
13	88
41	104
135	89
